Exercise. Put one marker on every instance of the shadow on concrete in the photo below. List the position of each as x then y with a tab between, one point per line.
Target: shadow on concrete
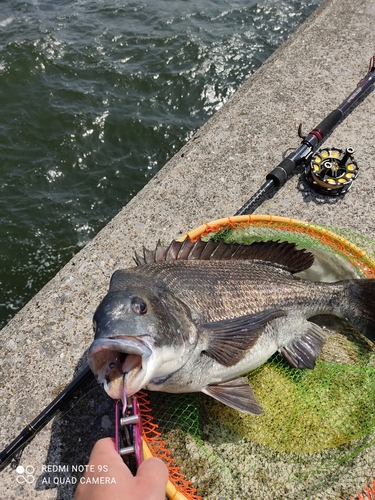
87	417
309	195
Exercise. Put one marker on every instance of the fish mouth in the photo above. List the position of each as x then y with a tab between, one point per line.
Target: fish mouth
121	363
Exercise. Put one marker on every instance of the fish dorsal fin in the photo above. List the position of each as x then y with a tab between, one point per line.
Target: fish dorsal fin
236	393
283	254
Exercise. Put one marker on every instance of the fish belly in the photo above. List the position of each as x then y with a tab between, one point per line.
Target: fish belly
200	371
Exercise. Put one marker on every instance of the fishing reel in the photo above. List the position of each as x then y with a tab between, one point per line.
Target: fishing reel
331	171
128	432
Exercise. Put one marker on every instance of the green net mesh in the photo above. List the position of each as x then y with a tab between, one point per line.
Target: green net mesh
316	436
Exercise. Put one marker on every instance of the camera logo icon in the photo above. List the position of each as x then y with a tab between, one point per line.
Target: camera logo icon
25	474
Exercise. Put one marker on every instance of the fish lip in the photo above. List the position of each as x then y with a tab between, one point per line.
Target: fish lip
121	343
106	361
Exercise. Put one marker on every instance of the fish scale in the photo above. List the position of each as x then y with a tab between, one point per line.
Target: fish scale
196	316
228	286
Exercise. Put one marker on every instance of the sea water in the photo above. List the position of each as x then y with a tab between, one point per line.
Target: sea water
95	97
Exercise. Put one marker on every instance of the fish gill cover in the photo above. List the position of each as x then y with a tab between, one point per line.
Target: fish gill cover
315	438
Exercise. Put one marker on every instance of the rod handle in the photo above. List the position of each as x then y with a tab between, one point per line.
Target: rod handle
280	174
328	124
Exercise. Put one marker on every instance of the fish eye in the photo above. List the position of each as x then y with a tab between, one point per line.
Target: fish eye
138	306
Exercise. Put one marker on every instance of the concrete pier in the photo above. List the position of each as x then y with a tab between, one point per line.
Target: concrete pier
223	164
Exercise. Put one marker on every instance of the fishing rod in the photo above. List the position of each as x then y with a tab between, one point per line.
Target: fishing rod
275	179
12	453
309	145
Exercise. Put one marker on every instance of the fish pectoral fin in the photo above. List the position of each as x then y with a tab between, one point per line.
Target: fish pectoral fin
305	349
230	339
237	394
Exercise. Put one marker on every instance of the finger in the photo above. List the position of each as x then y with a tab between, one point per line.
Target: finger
152	478
104	450
105	463
105	454
103	446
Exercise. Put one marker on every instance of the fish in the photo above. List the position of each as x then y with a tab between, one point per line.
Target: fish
198	315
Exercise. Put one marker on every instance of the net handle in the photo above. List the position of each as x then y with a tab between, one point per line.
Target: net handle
171	490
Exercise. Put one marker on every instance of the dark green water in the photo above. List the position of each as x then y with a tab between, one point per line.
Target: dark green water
95	97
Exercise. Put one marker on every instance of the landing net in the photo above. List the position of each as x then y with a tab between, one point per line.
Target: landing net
316	436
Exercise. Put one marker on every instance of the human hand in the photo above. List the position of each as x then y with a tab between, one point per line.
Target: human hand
149	483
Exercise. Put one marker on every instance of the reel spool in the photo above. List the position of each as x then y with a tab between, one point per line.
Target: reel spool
332	171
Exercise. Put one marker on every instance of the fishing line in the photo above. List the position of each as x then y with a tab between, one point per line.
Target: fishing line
309	145
14	460
25	436
275	179
62	413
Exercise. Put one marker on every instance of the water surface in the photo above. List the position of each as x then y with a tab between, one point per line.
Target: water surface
95	97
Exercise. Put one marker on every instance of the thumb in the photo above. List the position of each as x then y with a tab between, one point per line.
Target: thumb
152	478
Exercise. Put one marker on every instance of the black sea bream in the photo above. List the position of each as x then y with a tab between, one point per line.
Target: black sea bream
195	316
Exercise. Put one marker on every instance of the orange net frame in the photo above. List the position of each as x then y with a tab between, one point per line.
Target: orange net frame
341	245
158	447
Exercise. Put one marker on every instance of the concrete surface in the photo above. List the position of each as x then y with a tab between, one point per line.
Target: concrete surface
211	177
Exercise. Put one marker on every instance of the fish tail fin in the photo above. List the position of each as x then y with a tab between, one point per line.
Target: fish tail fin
362	305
